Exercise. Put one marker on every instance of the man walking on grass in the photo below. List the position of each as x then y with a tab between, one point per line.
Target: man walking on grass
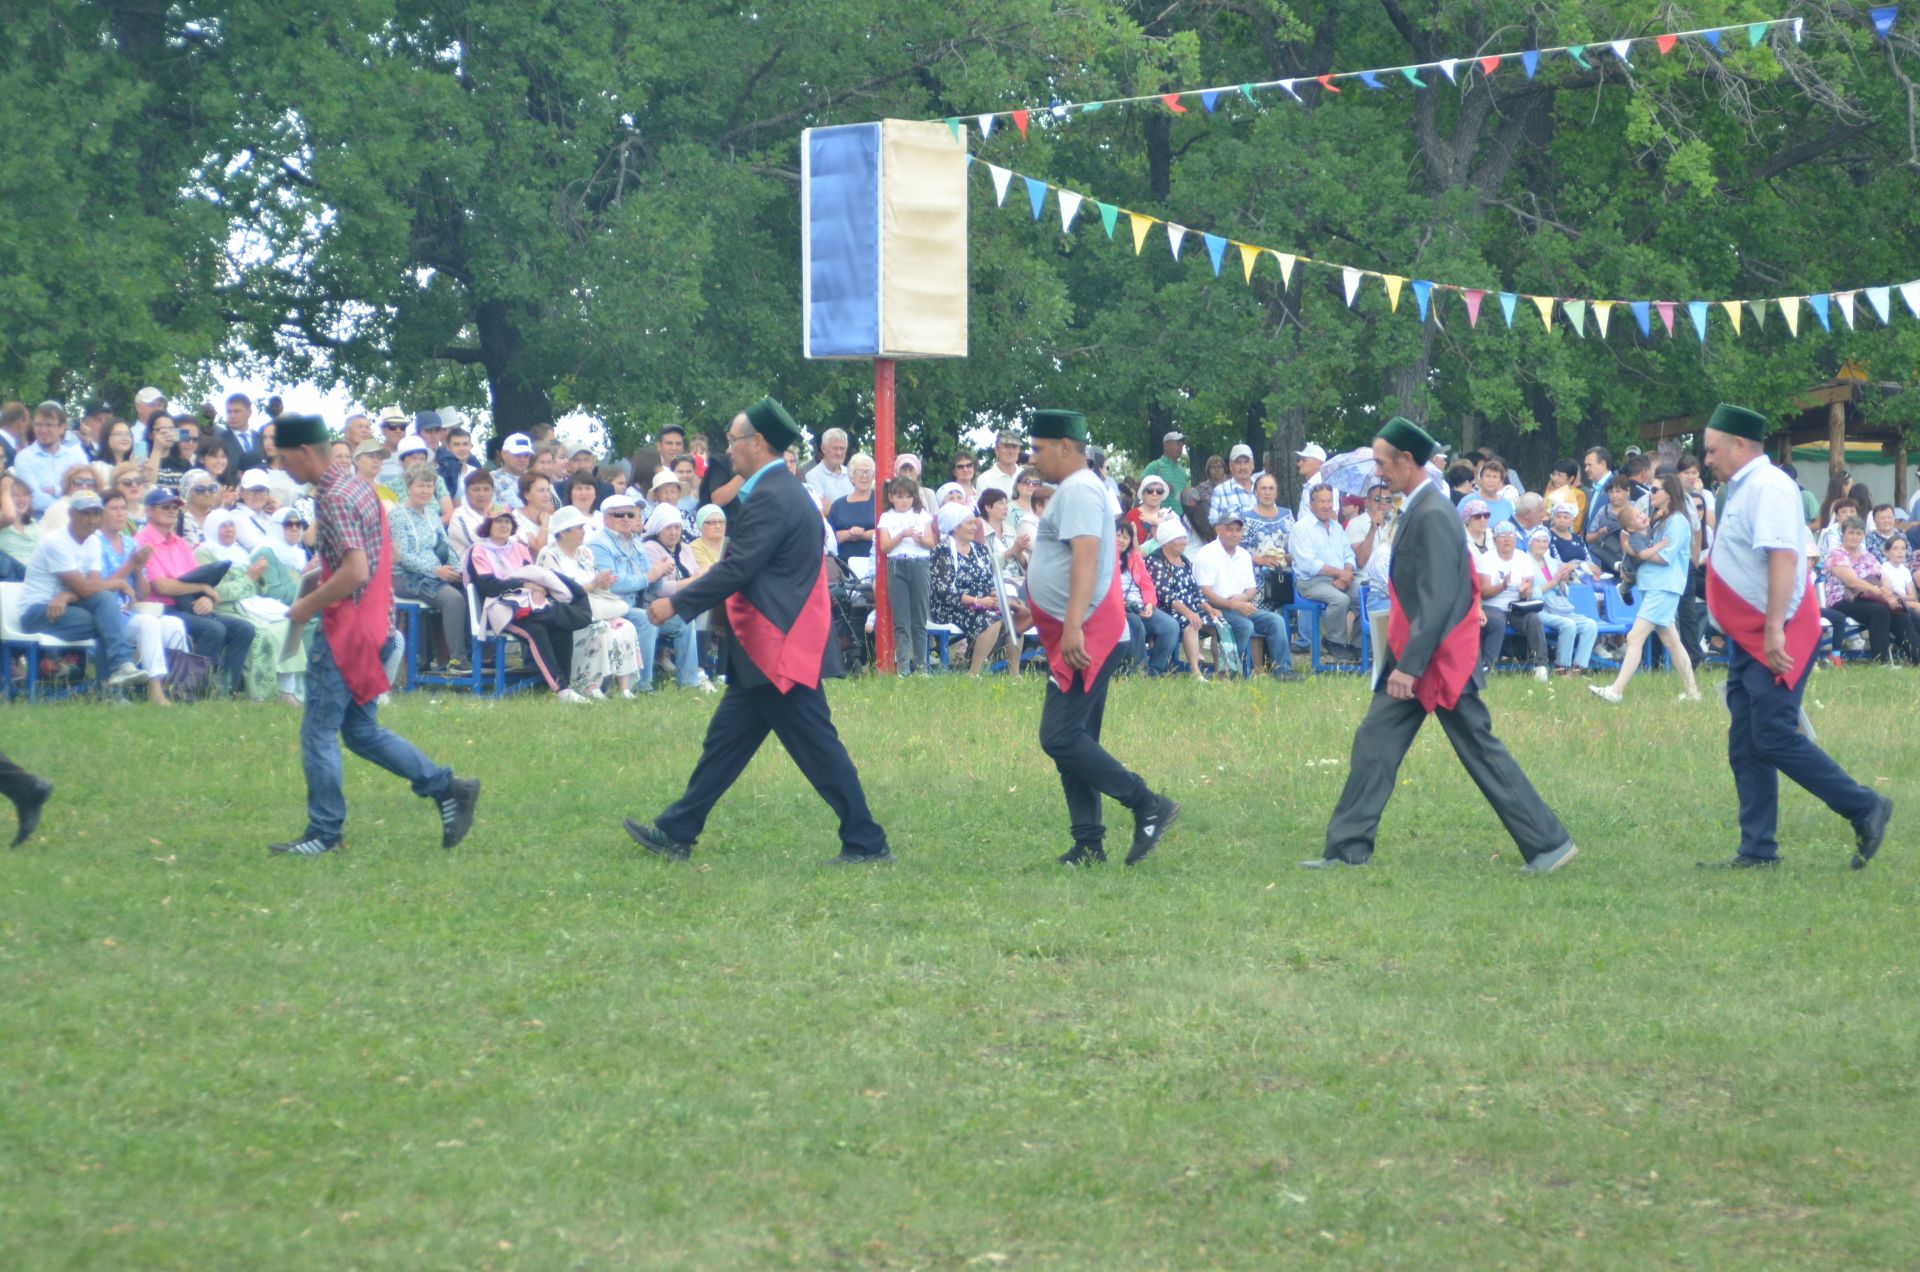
1077	607
345	673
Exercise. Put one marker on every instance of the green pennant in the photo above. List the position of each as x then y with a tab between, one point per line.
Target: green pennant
1574	51
1246	91
1412	78
1091	107
1756	32
953	126
1109	215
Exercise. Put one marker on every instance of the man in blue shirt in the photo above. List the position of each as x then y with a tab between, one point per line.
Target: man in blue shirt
40	467
1323	570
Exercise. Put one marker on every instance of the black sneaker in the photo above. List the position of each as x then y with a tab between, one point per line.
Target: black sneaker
30	808
311	846
1083	855
456	810
1739	862
1149	830
459	667
1871	831
644	834
882	858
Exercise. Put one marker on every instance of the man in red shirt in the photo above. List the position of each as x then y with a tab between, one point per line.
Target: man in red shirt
351	591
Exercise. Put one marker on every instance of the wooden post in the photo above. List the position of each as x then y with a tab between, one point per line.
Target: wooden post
1836	439
1898	449
883	473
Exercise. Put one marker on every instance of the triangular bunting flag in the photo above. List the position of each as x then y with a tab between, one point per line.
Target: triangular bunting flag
1883	16
1394	283
1621	48
1602	315
1756	32
1713	38
1092	108
1733	313
1576	51
1576	311
1350	279
1069	208
1447	68
1141	224
1697	310
1819	306
1368	78
1790	310
1759	312
1488	65
1666	314
1036	194
1473	299
1413	78
1020	120
1545	305
986	125
1421	290
1326	82
1176	235
1530	62
1246	90
1642	312
1109	215
1058	110
1665	43
1248	255
1216	248
1910	292
1208	98
953	126
1286	270
1846	307
1881	299
1001	177
1287	84
1507	302
1173	103
1799	25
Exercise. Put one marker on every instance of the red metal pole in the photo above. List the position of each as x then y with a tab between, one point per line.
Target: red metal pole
882	473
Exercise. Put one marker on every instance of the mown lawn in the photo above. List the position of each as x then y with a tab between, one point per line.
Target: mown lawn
546	1049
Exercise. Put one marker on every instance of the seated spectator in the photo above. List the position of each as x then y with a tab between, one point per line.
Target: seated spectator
1491	487
669	567
1000	542
467	525
1152	631
239	594
1177	593
1025	482
609	645
1574	633
19	532
1854	589
285	555
130	480
216	461
1376	574
1563	486
688	476
905	538
525	601
426	568
952	493
582	493
1663	570
1224	571
619	549
709	539
851	516
181	584
201	496
1881	532
66	594
962	593
614	478
1896	575
1460	482
1235	494
178	444
1568	547
1507	596
533	511
80	478
664	492
1144	517
1323	571
122	563
1843	510
41	465
369	458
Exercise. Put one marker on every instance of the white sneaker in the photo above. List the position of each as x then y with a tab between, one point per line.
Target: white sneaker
707	685
126	675
1606	693
1690	697
1540	674
383	700
628	694
597	693
569	696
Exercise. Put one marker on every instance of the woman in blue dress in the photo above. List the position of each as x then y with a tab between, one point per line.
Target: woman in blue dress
1664	570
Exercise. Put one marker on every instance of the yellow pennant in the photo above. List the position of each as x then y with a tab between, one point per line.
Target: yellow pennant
1286	268
1790	308
1394	283
1602	314
1545	305
1141	224
1733	312
1248	255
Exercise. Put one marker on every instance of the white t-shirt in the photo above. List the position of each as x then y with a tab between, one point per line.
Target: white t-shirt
994	479
57	554
1897	577
1226	575
1509	573
906	525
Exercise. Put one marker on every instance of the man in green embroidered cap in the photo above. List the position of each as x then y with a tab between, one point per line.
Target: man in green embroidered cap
772	582
1432	667
1760	594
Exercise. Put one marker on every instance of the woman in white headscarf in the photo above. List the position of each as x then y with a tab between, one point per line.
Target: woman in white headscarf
609	645
664	542
962	589
240	593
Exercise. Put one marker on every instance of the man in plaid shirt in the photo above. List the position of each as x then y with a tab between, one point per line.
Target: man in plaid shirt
354	600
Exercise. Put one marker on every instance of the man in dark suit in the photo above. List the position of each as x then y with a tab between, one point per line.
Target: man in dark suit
778	648
1432	666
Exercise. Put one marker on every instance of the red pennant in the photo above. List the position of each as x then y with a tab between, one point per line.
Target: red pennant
1473	299
1666	313
1488	65
1666	43
1020	121
1173	103
1326	82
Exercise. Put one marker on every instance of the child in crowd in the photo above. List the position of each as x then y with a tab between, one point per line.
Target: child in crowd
906	538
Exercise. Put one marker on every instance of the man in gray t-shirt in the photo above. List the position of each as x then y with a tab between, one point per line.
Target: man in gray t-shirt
1070	574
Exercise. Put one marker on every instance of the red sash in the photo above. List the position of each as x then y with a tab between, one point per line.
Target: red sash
791	657
1102	630
356	630
1746	626
1453	663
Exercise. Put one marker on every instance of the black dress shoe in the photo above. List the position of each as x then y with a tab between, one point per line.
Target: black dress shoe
29	809
644	834
1083	855
1871	830
1148	831
882	858
1738	862
1330	863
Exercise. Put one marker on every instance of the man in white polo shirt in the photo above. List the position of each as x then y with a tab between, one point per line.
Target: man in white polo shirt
1224	572
65	597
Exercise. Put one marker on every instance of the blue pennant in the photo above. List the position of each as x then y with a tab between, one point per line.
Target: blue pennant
1883	16
1367	78
1819	306
1036	194
1507	301
1421	290
1208	98
1531	61
1216	248
1642	312
1713	38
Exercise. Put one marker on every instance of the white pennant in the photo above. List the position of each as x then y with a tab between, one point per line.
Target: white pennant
1846	307
1799	25
1910	292
1174	234
986	125
1001	176
1446	68
1878	297
1351	277
1621	48
1069	207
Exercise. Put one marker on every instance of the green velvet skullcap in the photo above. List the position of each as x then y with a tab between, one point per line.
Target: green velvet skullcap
771	421
1739	421
1403	434
300	430
1071	425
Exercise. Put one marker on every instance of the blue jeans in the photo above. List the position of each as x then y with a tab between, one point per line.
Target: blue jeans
98	618
682	637
1269	627
332	714
1155	636
1576	634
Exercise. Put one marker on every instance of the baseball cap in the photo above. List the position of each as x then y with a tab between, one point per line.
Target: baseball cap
1230	517
160	495
255	479
96	407
1174	435
83	501
411	444
1242	451
517	444
427	421
1312	450
148	396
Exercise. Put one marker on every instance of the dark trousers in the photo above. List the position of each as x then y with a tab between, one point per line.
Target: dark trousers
1764	741
15	782
1691	624
1872	615
1070	735
1381	743
803	724
224	640
551	642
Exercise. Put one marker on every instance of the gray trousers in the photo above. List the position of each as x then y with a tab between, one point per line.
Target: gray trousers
909	593
1335	623
1381	743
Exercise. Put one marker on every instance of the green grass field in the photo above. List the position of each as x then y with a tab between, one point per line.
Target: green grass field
547	1049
